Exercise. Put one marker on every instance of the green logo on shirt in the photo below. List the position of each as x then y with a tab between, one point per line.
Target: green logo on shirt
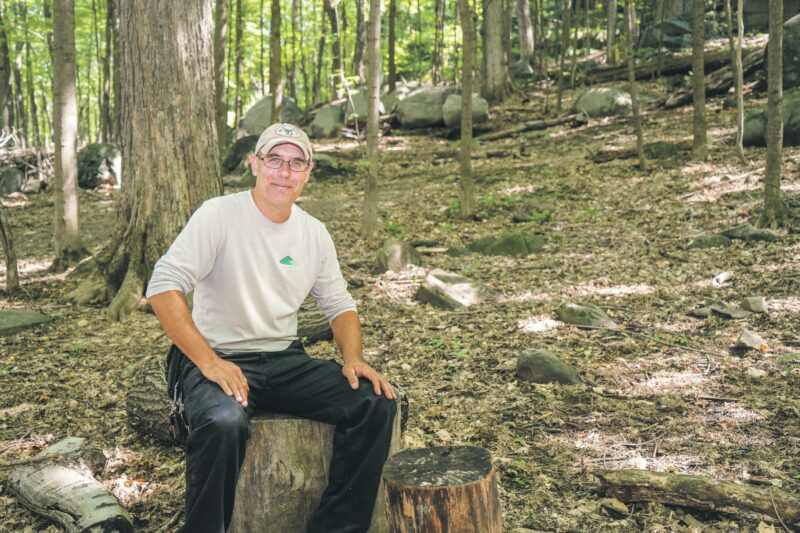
287	260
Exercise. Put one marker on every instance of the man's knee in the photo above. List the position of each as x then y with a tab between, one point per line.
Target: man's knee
380	410
225	421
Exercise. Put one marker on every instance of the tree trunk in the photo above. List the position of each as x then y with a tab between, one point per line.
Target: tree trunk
238	50
220	98
98	61
21	121
438	42
736	66
275	87
336	49
525	30
5	75
565	24
611	31
775	211
574	59
466	182
12	274
261	45
320	57
173	173
494	87
632	88
105	112
68	247
291	72
361	37
442	488
391	45
699	143
35	137
115	75
373	125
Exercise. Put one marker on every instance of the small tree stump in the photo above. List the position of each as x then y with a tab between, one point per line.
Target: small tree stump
441	489
285	472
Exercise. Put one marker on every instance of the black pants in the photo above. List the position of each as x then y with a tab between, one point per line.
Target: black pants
286	382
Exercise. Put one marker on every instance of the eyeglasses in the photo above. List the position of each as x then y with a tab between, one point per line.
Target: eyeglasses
295	165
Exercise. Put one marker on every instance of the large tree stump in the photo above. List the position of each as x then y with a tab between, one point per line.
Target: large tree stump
59	485
285	472
441	489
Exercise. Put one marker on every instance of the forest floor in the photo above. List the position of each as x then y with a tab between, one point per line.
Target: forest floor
666	394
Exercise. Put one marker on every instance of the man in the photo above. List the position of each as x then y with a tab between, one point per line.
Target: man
251	259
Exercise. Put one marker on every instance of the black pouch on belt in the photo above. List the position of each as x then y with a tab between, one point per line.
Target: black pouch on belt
179	426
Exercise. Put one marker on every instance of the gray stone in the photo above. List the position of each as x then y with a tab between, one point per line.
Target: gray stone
327	166
328	122
754	372
791	53
259	116
451	291
754	304
520	70
755	125
99	164
397	256
452	110
391	99
709	240
516	243
603	102
746	232
585	314
675	32
235	158
357	110
718	307
14	320
12	180
541	366
423	108
660	150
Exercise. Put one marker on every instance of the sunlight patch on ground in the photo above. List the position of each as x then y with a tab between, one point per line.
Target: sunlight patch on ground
519	189
26	267
582	291
667	383
25	446
777	267
538	324
129	490
15	199
527	297
789	305
400	287
679	324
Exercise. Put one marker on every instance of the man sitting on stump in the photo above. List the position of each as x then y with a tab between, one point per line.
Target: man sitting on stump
251	259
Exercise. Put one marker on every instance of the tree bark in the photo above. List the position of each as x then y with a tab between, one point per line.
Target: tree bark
336	48
562	52
238	51
373	125
391	45
466	182
105	112
736	66
317	89
164	55
68	247
291	72
5	75
632	88
494	86
275	87
361	38
611	31
220	98
699	142
526	42
12	274
438	42
35	137
21	118
442	488
775	212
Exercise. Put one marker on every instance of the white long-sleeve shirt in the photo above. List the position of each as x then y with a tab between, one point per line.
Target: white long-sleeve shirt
250	275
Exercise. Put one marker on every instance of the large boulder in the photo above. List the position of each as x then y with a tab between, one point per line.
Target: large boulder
328	122
390	100
235	159
603	102
451	291
423	108
452	110
356	106
755	125
791	53
99	164
259	116
541	366
512	243
397	256
675	33
12	180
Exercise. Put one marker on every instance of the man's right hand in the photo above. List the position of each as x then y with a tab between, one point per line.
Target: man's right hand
230	379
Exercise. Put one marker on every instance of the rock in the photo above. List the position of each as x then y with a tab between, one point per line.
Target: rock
520	70
754	304
328	122
585	314
236	155
327	167
603	102
423	107
791	53
751	341
721	279
14	320
709	240
457	251
746	232
723	309
675	32
397	256
12	180
541	366
754	372
99	164
357	110
755	125
451	291
452	111
516	243
259	116
660	150
391	99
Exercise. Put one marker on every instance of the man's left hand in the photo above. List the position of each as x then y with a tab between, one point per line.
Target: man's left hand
360	369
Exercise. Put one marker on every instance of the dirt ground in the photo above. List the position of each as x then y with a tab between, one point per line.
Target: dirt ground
665	394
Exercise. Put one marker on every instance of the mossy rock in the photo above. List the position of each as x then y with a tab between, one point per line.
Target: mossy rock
447	290
585	314
14	320
746	232
660	150
709	240
237	153
541	366
518	243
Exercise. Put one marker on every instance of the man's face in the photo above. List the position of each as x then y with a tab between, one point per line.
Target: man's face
279	187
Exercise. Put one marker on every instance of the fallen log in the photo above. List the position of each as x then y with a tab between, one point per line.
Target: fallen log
60	486
699	492
532	126
670	65
718	82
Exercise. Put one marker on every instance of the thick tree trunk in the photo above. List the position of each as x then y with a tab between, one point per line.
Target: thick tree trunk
164	53
525	30
220	98
275	87
699	144
494	87
391	45
12	274
466	182
443	488
6	108
775	211
632	88
611	32
68	247
373	125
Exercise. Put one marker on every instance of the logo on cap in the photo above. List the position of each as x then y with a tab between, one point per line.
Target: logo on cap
287	131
